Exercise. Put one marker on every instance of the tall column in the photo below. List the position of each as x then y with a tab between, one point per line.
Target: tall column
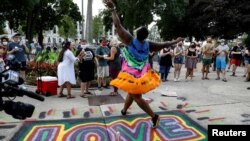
88	34
82	22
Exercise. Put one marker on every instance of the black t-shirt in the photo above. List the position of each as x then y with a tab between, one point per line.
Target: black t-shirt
246	55
236	56
87	62
166	60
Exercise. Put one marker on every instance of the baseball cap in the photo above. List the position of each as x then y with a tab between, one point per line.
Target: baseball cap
16	35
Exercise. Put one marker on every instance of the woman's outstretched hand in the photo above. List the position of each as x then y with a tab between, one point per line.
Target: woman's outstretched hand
109	4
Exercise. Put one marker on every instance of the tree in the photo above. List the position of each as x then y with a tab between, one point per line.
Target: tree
67	28
133	14
220	18
15	12
51	13
97	27
172	13
35	16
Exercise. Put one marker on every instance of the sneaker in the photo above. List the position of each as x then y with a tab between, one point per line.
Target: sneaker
106	87
178	79
155	121
225	80
100	88
175	80
233	74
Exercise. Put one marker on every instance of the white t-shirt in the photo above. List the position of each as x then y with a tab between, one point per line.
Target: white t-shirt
221	49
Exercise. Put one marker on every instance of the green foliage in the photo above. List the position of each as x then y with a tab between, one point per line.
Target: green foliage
67	28
47	57
225	19
133	14
97	27
14	11
172	14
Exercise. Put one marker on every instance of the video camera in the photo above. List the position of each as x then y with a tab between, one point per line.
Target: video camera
13	63
10	87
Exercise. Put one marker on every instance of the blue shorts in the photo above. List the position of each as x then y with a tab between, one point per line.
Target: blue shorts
178	60
221	62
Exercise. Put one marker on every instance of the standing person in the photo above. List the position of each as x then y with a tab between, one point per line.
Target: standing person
247	56
136	76
236	57
150	58
178	61
3	50
102	64
86	68
229	59
221	54
18	49
2	54
191	60
165	63
114	62
65	69
246	62
208	51
198	51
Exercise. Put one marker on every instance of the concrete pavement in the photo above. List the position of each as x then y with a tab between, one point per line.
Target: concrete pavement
205	101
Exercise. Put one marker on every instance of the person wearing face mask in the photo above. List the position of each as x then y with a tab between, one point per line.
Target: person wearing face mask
208	51
178	61
221	53
136	76
3	47
86	68
191	60
18	49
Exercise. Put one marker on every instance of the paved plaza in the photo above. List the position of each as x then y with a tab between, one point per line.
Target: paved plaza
203	101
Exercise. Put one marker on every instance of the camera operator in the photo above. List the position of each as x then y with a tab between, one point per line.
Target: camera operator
18	49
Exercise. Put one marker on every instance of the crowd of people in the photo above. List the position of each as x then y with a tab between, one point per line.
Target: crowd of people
209	55
131	67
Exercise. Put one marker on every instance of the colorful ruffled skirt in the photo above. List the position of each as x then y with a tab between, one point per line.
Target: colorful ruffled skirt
135	77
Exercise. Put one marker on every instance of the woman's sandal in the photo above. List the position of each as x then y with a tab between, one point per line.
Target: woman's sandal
84	96
70	96
89	93
114	93
62	95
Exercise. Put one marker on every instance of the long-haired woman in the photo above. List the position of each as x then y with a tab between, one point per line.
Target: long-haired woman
65	69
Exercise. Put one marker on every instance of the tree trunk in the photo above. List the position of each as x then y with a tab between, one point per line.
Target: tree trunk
40	38
88	34
31	22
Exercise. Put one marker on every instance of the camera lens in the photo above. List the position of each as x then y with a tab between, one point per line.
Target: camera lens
18	110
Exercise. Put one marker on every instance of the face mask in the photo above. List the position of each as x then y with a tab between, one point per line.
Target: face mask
5	43
83	46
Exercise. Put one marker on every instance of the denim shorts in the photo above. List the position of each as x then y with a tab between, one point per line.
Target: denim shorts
178	60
